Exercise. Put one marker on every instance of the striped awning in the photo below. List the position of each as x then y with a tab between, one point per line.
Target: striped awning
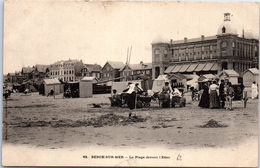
176	68
200	67
208	66
169	69
214	67
184	68
192	67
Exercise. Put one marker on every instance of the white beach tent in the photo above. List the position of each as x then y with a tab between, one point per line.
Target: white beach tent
160	82
192	80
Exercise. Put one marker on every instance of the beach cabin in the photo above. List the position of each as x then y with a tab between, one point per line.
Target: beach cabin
178	81
52	84
86	86
250	76
229	74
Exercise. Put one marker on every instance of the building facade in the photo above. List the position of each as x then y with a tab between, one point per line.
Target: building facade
40	72
110	71
67	71
207	54
91	70
134	71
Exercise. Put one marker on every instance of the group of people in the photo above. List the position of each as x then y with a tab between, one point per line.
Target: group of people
131	94
215	96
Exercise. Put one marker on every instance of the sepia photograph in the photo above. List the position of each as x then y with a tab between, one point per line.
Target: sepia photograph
120	83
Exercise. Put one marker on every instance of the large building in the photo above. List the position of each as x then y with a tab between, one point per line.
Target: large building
110	71
207	54
134	71
93	70
67	71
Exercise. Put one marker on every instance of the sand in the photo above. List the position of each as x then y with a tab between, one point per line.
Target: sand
171	128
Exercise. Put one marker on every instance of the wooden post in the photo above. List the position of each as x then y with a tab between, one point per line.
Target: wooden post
245	98
54	91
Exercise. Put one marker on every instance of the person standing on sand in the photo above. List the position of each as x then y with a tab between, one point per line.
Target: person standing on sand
230	95
204	100
254	90
213	95
222	94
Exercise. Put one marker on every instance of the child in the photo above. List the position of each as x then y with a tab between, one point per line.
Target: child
230	95
115	99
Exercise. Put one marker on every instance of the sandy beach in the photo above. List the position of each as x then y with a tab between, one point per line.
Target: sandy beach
38	122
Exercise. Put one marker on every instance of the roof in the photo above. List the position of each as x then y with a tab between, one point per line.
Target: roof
92	67
209	76
116	64
169	69
143	66
27	70
41	68
200	67
184	68
162	77
51	81
89	78
229	72
177	75
176	68
192	67
254	71
208	66
195	39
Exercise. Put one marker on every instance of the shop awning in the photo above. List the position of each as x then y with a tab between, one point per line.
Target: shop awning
184	68
169	69
176	68
208	66
214	67
192	67
200	67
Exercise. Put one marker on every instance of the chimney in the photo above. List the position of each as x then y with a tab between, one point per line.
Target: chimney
141	62
202	37
171	41
185	39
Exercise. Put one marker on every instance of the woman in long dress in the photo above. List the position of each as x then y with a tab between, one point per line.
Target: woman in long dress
254	90
213	96
204	101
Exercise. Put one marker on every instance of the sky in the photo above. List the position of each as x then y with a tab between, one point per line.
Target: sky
46	31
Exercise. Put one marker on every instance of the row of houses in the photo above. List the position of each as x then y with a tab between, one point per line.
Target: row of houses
74	70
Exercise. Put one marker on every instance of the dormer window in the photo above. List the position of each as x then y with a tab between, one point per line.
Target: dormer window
223	29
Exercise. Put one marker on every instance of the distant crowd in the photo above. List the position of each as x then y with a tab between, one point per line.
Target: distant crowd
221	96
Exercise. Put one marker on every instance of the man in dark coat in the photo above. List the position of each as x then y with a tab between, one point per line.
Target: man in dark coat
222	94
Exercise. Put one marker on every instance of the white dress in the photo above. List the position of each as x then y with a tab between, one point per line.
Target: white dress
254	91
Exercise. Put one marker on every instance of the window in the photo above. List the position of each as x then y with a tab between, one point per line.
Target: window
157	51
233	44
